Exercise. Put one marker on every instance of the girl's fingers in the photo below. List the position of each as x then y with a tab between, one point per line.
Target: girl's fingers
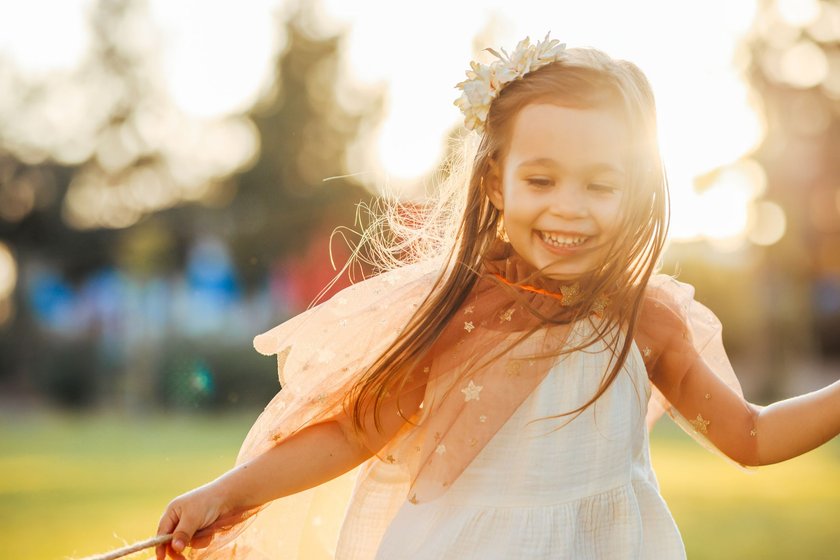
183	519
182	526
180	540
160	550
183	533
167	522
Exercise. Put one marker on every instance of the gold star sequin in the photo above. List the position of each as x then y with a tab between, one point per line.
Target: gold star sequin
600	305
700	425
708	396
646	352
513	368
390	459
471	391
507	315
440	449
753	432
438	436
472	442
571	294
482	418
469	309
468	326
413	499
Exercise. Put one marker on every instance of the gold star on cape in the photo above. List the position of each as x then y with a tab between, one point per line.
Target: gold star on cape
700	425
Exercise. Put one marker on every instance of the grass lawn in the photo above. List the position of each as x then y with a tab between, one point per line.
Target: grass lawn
73	486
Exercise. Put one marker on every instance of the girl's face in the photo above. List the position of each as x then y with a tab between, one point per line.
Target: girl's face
561	186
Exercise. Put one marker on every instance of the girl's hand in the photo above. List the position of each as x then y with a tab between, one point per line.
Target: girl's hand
186	515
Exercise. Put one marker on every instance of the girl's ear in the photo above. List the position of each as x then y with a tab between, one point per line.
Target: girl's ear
493	185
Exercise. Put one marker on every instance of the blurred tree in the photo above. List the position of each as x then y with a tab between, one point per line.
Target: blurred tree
286	197
129	182
794	64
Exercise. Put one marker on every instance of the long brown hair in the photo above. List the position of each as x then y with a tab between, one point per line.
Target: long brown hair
583	78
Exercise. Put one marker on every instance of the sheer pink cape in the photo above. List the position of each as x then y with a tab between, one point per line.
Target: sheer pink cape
483	366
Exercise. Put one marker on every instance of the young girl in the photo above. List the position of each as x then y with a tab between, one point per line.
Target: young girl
494	392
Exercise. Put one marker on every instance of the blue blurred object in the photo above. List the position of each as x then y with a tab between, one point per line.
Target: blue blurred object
52	300
826	309
827	295
212	289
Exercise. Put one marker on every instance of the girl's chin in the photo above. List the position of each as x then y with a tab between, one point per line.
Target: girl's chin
562	274
565	269
551	268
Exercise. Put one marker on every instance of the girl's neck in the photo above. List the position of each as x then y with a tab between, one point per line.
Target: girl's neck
556	296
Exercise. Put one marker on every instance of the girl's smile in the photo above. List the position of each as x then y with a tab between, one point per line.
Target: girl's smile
563	243
560	186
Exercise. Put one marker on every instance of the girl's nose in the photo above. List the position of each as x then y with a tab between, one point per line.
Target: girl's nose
569	201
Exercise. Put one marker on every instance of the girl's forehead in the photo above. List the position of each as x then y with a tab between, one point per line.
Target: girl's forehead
548	134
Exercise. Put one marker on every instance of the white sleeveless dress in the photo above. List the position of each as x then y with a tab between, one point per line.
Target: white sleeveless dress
584	492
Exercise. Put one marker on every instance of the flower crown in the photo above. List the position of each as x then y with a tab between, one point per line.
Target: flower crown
485	82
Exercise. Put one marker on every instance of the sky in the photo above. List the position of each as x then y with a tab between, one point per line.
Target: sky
215	58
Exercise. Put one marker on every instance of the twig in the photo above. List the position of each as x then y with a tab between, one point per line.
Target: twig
132	548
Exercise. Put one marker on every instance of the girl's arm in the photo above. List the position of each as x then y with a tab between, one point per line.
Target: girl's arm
749	434
799	424
311	457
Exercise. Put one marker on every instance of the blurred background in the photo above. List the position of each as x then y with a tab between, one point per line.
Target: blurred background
172	173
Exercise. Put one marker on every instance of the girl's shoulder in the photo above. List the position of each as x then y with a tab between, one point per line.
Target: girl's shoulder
674	329
669	312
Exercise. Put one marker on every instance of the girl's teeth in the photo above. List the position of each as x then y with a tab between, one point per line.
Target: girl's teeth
561	240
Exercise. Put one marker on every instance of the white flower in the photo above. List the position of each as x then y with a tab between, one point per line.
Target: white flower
485	81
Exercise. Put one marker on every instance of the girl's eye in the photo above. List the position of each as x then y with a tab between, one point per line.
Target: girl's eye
602	188
539	181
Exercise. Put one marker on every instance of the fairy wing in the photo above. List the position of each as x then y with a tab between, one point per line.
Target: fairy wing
321	353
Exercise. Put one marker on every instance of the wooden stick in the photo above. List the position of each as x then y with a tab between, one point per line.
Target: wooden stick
132	548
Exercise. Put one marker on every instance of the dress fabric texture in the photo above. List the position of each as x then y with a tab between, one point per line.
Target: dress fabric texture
584	491
475	473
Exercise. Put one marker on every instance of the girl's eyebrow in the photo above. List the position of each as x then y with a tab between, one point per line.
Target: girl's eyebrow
549	162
